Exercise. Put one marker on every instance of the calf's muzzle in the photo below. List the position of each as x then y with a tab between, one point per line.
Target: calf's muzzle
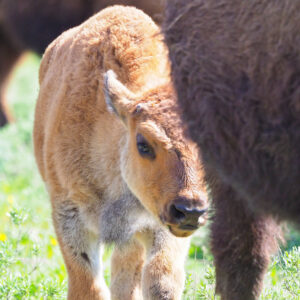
186	217
183	216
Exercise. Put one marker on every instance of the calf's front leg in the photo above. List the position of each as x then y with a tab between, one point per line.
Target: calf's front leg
81	251
163	274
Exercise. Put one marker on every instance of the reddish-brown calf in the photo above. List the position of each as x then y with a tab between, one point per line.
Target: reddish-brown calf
111	148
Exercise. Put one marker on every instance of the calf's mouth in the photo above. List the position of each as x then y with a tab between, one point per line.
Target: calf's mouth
184	230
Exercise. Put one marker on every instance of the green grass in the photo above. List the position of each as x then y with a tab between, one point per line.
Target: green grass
31	266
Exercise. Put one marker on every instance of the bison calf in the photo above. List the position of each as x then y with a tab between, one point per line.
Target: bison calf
236	68
111	148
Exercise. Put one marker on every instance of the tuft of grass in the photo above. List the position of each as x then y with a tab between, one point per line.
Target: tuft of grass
31	265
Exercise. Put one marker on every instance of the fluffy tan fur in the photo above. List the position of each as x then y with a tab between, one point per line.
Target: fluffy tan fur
21	30
103	85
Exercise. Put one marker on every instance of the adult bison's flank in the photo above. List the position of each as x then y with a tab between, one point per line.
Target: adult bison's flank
236	68
110	146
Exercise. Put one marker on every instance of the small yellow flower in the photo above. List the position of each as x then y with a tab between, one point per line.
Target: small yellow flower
53	241
3	237
10	199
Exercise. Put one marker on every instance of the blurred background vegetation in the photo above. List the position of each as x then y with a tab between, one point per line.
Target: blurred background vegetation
31	266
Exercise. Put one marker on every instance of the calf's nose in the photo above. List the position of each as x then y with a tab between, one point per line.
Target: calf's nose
186	217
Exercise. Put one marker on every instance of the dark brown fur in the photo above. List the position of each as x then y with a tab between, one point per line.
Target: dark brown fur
33	24
236	68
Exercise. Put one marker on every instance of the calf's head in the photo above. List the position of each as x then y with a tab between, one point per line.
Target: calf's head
160	165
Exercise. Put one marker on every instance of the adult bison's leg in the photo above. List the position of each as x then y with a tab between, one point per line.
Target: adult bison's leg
163	274
126	271
81	251
8	57
241	244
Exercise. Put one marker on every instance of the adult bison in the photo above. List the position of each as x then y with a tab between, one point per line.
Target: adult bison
115	159
33	24
236	69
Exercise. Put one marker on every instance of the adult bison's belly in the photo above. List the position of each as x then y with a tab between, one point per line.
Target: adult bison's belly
238	85
259	159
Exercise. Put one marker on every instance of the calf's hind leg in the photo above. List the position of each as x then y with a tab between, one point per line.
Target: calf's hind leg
126	271
81	251
241	244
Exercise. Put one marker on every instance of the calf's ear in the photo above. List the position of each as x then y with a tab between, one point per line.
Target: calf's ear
117	97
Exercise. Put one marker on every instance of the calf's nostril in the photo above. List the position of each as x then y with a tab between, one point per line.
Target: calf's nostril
177	214
187	215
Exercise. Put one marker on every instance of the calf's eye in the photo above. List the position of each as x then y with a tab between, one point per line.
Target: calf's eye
144	148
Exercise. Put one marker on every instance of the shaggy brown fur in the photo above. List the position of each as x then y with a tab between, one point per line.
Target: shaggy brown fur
33	24
115	159
236	68
8	57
